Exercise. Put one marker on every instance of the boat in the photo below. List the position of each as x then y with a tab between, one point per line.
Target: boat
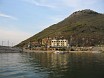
59	52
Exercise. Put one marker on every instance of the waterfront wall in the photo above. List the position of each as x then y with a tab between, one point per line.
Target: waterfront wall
27	50
76	49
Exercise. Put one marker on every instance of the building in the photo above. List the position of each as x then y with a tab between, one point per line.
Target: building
33	45
46	42
59	43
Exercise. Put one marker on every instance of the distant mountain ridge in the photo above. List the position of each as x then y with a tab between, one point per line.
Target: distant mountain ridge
85	27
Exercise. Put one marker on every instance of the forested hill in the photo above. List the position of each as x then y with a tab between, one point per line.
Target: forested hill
85	27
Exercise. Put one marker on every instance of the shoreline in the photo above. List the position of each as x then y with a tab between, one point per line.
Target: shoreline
40	51
89	50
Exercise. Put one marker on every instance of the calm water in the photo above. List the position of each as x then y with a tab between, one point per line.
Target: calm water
47	65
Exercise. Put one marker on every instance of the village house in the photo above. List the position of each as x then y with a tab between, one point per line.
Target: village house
46	42
33	45
59	44
49	44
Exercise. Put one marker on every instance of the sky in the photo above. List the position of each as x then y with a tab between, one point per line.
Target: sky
21	19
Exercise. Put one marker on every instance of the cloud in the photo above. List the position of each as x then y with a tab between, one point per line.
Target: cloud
78	4
40	3
7	16
14	36
71	4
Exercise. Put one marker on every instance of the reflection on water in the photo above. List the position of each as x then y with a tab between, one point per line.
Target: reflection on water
50	65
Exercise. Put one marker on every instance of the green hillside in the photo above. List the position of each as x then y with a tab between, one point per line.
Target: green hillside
84	27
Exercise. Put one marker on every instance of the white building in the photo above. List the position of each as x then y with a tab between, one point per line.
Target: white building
59	43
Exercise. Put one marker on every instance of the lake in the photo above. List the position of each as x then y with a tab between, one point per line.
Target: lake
50	65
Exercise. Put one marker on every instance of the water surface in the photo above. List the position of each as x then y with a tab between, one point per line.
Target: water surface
49	65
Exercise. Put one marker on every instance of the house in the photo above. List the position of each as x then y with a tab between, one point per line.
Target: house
59	44
33	45
46	42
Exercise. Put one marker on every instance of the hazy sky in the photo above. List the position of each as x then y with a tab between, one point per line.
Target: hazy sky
20	19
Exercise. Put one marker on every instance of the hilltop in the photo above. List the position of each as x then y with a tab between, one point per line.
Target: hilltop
85	28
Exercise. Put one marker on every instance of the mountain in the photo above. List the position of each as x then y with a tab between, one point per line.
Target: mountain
84	28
